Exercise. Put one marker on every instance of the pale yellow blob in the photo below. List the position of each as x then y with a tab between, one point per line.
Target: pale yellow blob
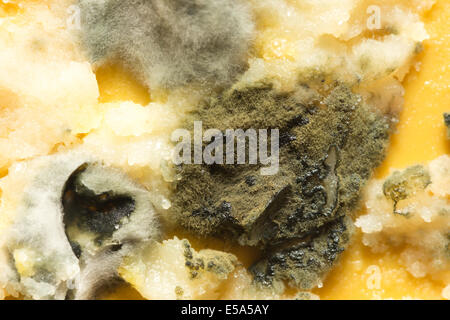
115	84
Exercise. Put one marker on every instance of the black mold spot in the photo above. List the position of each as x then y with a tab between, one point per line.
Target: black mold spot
100	214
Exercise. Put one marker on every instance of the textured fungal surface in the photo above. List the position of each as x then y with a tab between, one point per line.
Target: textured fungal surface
323	166
169	43
402	185
72	226
303	263
92	197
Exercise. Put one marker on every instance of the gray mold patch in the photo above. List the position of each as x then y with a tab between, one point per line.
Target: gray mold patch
169	43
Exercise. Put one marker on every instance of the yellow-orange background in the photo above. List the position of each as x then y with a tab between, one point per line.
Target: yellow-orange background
421	137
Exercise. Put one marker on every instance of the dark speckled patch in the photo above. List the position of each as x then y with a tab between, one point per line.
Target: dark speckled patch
98	214
329	147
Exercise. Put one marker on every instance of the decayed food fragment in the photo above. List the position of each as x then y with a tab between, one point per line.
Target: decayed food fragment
174	270
402	185
329	145
102	207
70	227
105	214
417	222
304	262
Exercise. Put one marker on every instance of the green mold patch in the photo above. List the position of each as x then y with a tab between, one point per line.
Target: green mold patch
330	142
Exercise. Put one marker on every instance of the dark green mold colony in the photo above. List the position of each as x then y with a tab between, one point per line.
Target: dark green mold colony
329	146
304	262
